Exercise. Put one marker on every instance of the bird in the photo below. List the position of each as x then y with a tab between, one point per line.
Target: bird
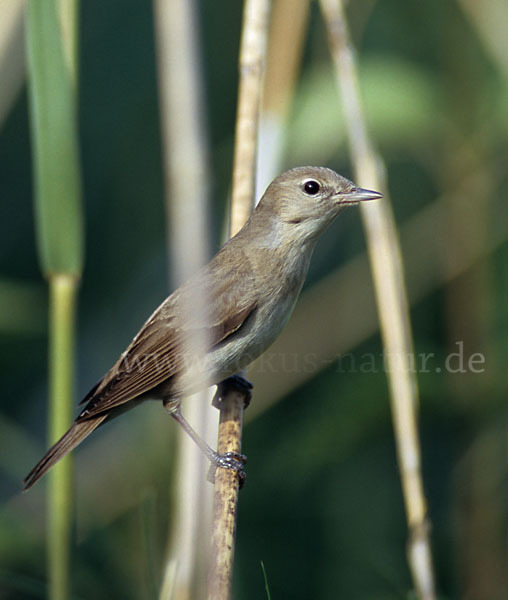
247	293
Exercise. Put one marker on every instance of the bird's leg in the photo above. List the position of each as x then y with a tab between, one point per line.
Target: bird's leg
235	382
228	460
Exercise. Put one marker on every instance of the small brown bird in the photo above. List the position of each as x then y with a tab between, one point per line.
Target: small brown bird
250	287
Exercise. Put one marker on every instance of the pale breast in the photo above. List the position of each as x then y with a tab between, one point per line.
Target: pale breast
279	287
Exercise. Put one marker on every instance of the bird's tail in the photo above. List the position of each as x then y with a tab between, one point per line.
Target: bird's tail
76	434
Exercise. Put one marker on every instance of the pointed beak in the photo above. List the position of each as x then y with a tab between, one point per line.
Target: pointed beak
358	195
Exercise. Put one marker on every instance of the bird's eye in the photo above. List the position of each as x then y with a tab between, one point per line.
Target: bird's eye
311	187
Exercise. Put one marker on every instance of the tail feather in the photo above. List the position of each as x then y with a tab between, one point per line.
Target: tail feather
76	434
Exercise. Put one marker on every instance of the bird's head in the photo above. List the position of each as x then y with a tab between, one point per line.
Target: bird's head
307	199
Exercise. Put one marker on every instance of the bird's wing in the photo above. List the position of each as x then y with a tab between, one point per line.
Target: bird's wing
159	350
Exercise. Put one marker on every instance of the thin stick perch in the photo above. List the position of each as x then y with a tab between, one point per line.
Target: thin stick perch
252	62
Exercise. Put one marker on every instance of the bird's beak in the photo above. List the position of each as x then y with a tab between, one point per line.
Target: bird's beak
358	195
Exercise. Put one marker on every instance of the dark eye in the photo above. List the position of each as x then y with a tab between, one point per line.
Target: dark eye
311	187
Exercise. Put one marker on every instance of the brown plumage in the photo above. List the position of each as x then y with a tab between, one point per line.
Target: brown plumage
249	287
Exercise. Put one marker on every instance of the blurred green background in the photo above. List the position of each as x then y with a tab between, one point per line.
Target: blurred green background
322	507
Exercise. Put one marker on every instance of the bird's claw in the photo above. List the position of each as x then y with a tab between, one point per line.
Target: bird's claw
229	460
237	383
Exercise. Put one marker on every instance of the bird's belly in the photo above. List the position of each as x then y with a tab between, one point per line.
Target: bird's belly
253	338
233	354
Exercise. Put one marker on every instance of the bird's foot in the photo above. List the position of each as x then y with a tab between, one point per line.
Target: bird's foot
229	460
172	405
238	383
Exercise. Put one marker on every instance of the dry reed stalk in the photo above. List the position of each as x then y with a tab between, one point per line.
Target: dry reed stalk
251	62
186	160
386	264
285	48
12	54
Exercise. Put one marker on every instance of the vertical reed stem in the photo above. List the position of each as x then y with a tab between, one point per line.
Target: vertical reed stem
387	271
252	62
187	178
52	77
63	289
